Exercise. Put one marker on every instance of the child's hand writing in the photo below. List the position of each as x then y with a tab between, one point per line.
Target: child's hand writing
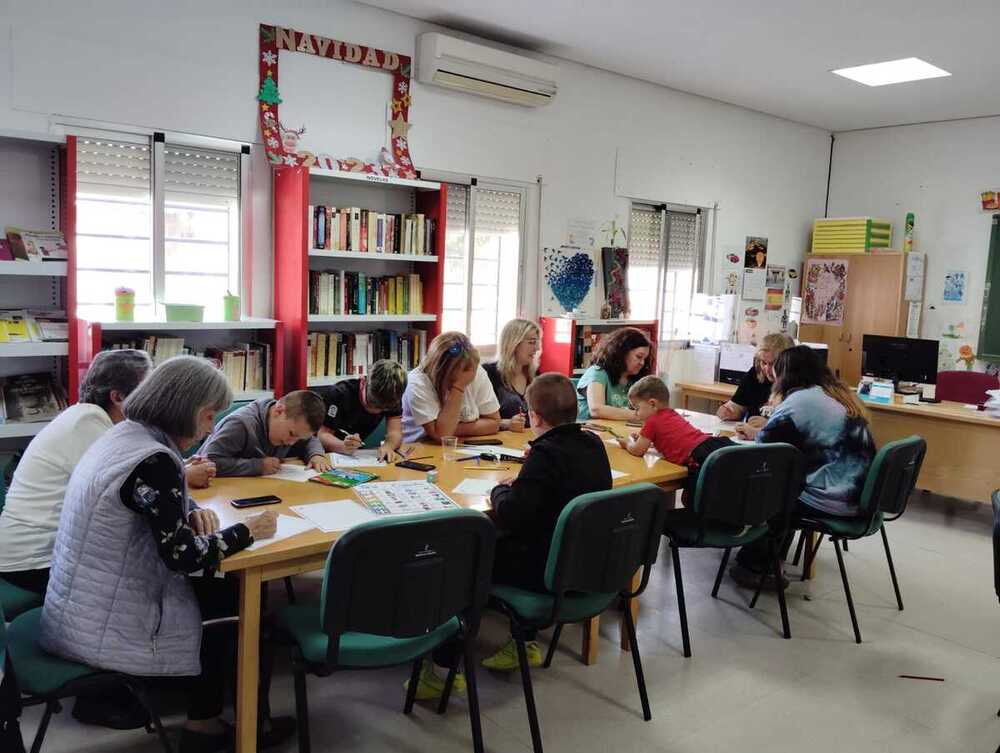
269	466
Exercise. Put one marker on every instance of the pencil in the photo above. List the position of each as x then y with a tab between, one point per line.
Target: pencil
490	468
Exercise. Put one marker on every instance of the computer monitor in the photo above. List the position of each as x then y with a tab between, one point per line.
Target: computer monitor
901	359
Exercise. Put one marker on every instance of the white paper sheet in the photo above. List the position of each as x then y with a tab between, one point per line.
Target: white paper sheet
477	486
617	474
470	450
288	526
360	459
290	472
331	517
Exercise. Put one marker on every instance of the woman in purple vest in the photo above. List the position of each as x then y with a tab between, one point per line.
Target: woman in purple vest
133	568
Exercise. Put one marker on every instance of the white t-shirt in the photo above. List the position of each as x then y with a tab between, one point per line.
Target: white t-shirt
421	404
34	501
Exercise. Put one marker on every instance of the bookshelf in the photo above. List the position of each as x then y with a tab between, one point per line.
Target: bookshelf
201	335
296	189
40	194
563	339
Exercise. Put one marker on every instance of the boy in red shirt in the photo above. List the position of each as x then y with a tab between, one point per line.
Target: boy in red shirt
665	429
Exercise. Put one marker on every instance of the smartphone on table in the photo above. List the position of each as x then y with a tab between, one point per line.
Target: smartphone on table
267	499
413	465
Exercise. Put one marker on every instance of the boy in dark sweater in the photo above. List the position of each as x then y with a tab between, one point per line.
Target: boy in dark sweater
253	440
564	462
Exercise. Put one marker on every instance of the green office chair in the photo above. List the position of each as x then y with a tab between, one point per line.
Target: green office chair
601	539
47	679
891	479
743	494
14	600
395	589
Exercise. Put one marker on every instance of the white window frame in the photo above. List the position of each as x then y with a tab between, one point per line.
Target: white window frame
490	184
157	141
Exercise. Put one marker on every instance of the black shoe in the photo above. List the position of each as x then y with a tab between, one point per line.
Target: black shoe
275	731
207	742
115	710
747	578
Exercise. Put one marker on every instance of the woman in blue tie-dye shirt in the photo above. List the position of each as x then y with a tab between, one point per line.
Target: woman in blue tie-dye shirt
825	420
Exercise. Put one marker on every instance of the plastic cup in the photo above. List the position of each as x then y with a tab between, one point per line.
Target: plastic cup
449	448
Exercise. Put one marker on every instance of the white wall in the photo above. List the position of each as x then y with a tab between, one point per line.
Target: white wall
190	67
935	171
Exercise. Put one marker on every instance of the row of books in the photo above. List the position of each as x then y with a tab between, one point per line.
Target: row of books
352	353
247	366
32	245
29	398
586	344
368	231
33	325
343	292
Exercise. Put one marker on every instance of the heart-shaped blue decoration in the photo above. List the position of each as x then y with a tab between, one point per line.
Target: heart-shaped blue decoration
569	278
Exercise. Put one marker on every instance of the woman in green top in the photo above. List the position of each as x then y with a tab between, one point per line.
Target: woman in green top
621	358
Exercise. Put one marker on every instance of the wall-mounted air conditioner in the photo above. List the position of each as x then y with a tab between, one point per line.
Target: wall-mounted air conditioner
477	69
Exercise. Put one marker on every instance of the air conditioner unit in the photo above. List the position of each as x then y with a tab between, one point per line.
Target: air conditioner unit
477	69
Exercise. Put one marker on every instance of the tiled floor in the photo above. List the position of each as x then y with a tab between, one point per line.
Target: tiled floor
745	689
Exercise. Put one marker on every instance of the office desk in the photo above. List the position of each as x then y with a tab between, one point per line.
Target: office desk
307	552
963	445
718	392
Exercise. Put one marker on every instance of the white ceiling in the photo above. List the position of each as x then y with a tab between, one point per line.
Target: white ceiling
769	55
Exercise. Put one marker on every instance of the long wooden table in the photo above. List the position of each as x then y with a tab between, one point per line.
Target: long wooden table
717	392
963	445
307	552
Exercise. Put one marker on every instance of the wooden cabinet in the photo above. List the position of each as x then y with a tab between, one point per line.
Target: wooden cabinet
874	306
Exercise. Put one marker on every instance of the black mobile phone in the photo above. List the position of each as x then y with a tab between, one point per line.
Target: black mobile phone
482	442
413	465
267	499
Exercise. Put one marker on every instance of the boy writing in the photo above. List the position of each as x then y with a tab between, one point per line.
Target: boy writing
355	408
674	438
253	440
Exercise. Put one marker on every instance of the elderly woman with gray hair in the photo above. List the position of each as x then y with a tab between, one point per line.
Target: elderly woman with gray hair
132	571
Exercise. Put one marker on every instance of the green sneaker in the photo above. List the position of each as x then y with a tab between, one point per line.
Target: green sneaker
430	686
505	660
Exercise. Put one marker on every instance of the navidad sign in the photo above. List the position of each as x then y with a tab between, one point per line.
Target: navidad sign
281	142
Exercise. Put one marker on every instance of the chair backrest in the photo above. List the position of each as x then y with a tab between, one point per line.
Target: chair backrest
404	576
602	538
892	477
748	485
964	386
996	542
3	639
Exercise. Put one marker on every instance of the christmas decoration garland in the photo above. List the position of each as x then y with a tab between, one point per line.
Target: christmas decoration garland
281	142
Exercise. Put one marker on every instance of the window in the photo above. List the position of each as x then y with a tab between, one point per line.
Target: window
196	257
645	253
685	241
482	260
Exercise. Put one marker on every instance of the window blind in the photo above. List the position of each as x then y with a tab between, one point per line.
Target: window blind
683	251
201	172
644	254
683	270
109	167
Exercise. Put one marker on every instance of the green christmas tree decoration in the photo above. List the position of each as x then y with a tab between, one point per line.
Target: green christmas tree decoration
267	33
269	92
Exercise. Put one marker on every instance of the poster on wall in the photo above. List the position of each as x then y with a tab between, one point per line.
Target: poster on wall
955	282
569	273
954	349
748	326
774	296
614	262
755	253
915	263
825	294
730	273
582	233
754	281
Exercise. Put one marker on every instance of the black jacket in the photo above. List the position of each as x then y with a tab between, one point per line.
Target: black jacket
563	463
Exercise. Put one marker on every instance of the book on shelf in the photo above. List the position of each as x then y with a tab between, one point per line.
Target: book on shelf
331	354
246	366
30	398
6	254
33	325
342	292
367	231
36	245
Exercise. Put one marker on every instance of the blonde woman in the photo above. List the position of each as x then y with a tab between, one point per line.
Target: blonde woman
515	367
754	391
449	393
